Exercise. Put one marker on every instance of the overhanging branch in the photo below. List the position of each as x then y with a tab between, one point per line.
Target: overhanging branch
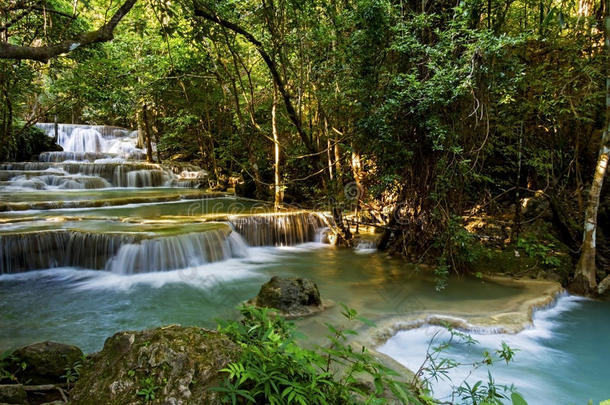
200	11
44	53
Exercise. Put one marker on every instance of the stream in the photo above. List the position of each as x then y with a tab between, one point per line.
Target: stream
93	240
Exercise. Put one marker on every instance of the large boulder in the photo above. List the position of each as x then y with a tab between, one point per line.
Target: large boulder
169	365
291	296
45	362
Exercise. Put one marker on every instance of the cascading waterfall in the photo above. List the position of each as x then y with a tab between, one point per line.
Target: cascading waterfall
100	157
278	229
42	250
117	252
83	139
177	252
128	253
74	175
57	181
94	156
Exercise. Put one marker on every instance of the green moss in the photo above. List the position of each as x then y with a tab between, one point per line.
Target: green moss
170	358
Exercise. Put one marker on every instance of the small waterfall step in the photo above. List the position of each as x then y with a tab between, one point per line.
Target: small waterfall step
95	139
93	157
110	174
128	248
278	229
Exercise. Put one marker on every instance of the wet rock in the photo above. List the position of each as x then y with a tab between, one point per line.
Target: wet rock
176	364
291	296
45	362
12	394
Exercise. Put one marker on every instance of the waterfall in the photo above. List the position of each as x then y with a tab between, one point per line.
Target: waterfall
75	175
81	139
117	252
100	157
94	156
42	250
129	253
177	252
283	229
58	181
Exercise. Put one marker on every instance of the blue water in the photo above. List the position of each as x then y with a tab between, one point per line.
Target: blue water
564	358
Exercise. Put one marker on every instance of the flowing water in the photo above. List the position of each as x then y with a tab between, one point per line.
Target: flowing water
561	359
93	240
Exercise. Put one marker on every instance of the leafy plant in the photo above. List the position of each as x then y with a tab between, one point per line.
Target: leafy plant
7	363
436	367
539	249
149	389
274	369
72	373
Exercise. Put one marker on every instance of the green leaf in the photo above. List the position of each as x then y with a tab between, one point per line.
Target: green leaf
517	399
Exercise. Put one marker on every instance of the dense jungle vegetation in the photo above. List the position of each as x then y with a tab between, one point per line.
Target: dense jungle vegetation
417	115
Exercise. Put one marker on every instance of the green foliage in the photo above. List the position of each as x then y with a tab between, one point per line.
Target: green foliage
459	249
148	390
437	367
73	373
8	372
26	143
540	249
274	369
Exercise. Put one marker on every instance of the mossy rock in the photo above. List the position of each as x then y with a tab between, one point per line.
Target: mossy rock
290	296
12	394
178	365
45	362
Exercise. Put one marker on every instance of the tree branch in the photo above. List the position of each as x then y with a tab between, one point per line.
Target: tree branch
44	53
200	11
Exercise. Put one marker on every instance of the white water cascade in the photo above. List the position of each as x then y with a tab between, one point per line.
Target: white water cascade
177	252
98	139
143	251
94	157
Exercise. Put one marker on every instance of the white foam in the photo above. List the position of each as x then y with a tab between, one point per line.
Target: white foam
204	277
532	344
201	276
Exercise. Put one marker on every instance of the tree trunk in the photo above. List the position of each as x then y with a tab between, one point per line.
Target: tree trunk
276	147
584	278
517	222
338	171
147	134
211	16
357	192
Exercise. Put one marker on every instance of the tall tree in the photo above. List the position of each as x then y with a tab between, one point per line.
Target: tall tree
585	276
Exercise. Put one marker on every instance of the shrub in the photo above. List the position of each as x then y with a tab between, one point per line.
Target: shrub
274	369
